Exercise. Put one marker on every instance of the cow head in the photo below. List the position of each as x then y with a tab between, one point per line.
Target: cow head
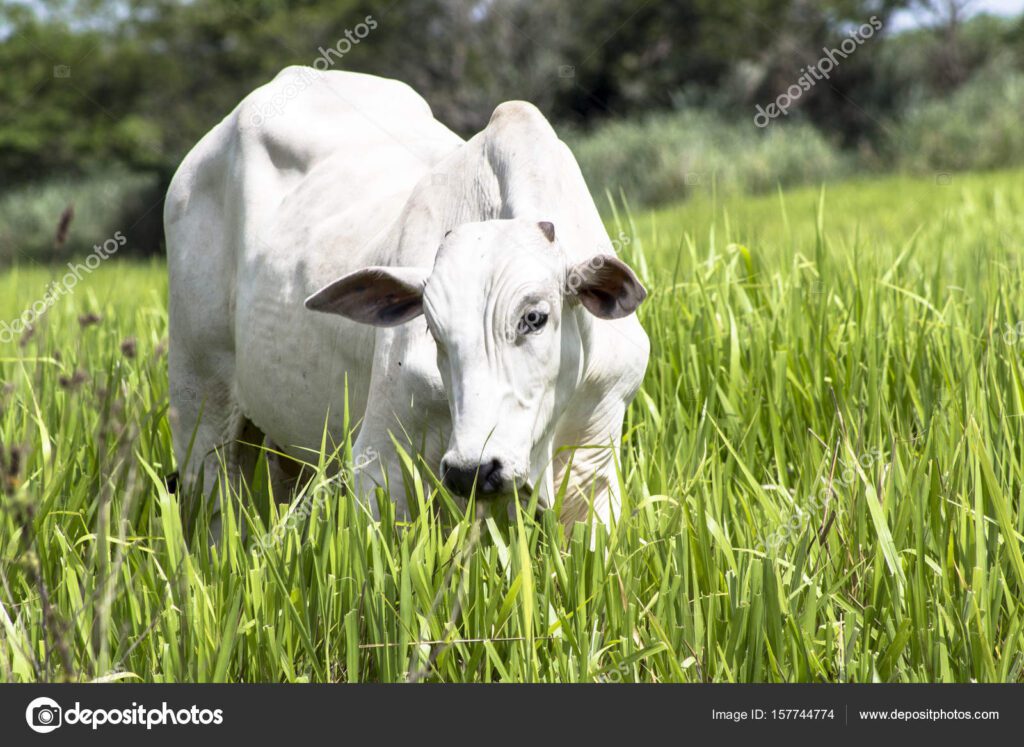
500	304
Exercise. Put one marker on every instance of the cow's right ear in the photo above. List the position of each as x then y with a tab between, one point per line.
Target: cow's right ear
381	296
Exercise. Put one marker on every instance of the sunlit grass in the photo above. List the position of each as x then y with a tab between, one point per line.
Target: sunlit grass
822	474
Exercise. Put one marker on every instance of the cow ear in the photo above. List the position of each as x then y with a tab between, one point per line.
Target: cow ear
381	296
606	287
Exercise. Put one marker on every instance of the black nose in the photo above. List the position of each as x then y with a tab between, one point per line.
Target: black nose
489	478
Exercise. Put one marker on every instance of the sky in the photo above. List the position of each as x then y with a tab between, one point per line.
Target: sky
906	20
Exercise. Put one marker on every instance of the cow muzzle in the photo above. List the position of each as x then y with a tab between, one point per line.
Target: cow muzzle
489	478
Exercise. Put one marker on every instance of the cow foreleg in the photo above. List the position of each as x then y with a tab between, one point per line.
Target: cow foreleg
224	444
589	455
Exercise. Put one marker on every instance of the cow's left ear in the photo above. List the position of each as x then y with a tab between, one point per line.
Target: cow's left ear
381	296
606	287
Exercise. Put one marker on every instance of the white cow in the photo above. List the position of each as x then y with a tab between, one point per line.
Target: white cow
476	311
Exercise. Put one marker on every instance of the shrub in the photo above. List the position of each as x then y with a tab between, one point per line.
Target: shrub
978	127
669	157
103	203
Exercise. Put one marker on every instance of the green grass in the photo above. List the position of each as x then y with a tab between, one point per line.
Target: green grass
822	479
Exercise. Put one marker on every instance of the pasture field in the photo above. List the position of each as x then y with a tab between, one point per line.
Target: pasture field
822	480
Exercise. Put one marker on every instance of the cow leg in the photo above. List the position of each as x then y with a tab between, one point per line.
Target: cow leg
594	448
404	406
377	464
422	432
225	444
287	475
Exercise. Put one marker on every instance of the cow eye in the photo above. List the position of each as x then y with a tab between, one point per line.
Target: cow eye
531	321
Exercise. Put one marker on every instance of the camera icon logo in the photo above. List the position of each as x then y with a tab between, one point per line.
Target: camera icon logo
43	715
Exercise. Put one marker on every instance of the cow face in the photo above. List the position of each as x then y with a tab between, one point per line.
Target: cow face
500	304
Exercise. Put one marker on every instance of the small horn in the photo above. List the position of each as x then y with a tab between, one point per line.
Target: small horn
548	229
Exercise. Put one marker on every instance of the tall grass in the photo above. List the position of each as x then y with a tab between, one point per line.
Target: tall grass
822	481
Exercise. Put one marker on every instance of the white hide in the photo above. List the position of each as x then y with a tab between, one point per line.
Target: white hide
353	172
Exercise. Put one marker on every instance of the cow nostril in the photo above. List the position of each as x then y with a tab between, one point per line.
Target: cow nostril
457	479
488	477
491	476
